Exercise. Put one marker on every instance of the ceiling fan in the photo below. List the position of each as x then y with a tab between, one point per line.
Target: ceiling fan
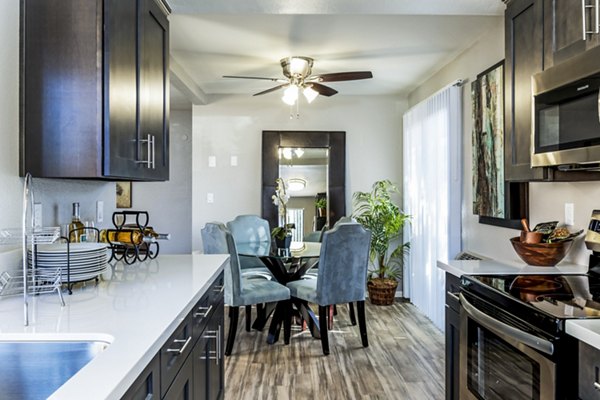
297	71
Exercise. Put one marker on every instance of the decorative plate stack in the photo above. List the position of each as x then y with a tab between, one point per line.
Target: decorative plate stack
85	260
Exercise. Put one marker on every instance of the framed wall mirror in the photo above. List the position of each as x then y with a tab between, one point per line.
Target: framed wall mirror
312	163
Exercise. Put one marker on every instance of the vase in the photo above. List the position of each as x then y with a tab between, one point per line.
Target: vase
283	244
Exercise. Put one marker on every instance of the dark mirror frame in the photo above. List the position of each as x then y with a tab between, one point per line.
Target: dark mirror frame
335	141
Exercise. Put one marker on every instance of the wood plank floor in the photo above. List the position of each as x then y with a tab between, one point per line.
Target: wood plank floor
404	360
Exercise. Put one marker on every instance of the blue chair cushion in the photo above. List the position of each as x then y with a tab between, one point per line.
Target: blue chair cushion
259	272
305	289
256	291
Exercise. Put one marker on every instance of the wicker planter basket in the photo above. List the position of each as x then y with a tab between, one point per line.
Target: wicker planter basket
382	292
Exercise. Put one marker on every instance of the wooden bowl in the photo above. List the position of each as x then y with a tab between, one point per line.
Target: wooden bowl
541	254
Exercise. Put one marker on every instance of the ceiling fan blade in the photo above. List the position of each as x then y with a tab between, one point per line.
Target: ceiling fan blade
271	90
343	76
322	89
255	77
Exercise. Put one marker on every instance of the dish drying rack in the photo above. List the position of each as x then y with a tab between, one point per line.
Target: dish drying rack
30	281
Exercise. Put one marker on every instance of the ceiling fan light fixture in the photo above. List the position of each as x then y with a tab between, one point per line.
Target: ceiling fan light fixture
290	95
310	94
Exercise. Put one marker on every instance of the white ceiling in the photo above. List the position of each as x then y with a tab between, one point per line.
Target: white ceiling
403	42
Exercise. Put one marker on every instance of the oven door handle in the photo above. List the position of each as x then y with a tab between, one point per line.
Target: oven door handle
503	329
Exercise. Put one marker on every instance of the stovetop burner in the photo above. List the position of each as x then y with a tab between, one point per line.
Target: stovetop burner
557	296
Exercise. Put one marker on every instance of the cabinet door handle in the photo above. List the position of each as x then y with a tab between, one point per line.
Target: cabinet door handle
206	311
214	354
597	386
150	150
597	14
153	152
584	8
219	289
185	342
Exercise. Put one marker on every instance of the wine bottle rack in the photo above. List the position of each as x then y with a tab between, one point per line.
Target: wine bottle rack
128	223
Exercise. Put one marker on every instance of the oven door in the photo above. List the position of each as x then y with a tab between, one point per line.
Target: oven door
500	361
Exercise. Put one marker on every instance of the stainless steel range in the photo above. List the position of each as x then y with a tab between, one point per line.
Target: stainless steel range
513	343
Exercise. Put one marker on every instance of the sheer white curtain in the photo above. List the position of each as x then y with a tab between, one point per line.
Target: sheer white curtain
432	196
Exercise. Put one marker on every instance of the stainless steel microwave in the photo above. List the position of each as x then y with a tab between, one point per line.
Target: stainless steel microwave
566	114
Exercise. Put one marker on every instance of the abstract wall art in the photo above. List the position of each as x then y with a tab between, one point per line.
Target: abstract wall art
487	95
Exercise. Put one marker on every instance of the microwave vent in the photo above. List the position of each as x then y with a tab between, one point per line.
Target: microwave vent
594	167
468	255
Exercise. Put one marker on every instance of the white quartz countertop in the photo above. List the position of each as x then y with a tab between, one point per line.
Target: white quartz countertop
506	267
135	308
586	330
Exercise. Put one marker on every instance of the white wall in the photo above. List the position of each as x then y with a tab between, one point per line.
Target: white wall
233	125
546	200
170	203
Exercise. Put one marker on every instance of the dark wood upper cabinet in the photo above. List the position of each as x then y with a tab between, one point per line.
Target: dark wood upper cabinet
524	57
565	22
94	89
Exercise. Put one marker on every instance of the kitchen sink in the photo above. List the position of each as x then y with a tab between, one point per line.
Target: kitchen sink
32	369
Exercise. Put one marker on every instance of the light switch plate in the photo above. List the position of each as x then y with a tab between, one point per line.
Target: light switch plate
212	161
569	214
99	211
234	161
210	198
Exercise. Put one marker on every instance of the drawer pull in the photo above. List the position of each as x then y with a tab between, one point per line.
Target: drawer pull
219	289
185	342
597	386
206	311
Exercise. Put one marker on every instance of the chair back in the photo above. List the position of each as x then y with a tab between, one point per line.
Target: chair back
344	220
343	261
252	234
216	239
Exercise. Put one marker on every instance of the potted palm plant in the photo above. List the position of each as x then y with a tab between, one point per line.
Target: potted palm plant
376	211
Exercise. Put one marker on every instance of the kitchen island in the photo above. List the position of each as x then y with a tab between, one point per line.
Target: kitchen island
135	308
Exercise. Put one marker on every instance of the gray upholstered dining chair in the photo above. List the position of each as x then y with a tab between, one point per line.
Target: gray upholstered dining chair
252	233
239	291
342	276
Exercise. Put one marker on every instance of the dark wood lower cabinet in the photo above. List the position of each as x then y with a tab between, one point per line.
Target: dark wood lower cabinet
208	359
589	372
190	363
183	384
452	337
147	386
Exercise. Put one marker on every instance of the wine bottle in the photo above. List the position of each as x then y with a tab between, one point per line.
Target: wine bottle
76	231
127	236
150	232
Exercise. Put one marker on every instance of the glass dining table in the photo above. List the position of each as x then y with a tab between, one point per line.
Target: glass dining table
285	267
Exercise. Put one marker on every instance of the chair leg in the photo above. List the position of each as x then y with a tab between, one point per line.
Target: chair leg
234	313
362	325
248	318
351	312
287	322
323	311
